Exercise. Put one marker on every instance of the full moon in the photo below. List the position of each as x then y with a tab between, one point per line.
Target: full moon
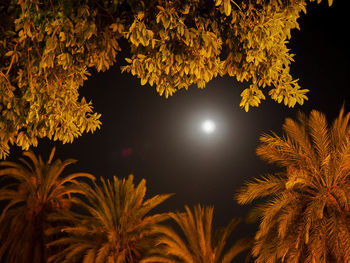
208	126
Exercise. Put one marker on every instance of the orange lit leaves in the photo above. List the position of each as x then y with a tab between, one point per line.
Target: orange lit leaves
194	61
48	48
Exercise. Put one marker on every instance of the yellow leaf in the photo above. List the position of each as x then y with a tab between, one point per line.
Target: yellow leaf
62	36
218	2
140	15
246	107
8	54
186	69
114	27
143	81
161	8
151	81
165	21
206	76
153	43
186	10
227	7
279	98
159	16
192	64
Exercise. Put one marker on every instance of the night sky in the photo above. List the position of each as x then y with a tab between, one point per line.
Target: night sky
160	139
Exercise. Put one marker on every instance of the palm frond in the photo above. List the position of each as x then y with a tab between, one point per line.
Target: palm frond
196	243
318	130
260	187
340	128
297	132
237	248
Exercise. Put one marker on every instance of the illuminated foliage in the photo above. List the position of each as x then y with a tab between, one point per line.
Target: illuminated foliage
198	243
306	215
47	47
33	191
116	228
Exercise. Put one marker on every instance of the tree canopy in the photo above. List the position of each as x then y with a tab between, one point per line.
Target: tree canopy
304	216
31	191
47	48
116	226
198	242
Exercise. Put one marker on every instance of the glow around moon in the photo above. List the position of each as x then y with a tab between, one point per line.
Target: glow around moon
208	126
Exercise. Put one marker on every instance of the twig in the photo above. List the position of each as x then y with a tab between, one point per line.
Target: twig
12	59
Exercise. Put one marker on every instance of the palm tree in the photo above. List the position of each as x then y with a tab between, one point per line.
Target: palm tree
32	191
200	244
115	229
305	216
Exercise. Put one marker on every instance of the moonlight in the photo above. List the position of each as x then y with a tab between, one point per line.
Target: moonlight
208	126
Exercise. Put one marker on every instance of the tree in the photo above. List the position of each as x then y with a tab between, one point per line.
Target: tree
198	244
33	191
305	216
47	47
116	228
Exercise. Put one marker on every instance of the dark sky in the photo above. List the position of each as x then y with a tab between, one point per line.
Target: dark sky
159	139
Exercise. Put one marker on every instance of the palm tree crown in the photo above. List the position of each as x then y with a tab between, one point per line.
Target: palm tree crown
32	190
305	217
115	228
200	244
